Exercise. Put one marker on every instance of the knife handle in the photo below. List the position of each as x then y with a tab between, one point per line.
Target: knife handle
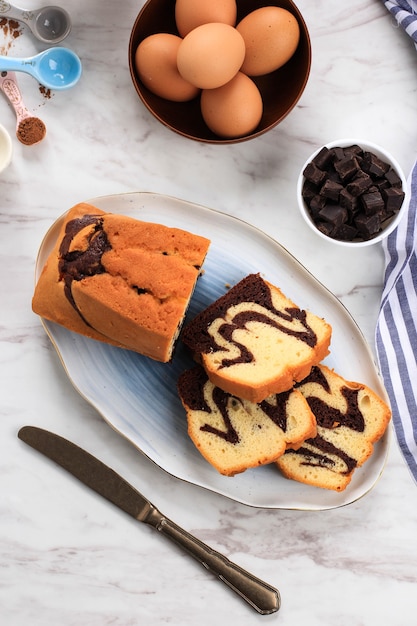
260	595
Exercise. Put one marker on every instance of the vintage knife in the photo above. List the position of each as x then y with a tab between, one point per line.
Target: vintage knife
102	479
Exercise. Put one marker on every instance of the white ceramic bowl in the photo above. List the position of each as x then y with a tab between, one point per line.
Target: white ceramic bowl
6	148
389	226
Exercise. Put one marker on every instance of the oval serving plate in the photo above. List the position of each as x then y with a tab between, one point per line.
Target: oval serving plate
137	396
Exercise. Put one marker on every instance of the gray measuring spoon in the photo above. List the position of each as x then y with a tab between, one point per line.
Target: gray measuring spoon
49	24
55	68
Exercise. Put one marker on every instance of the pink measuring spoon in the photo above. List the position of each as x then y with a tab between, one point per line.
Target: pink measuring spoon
29	128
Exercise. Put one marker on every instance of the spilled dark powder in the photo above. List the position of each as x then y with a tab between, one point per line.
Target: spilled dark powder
11	30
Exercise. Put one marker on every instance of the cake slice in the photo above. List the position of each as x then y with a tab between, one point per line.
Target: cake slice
254	342
233	434
120	280
350	419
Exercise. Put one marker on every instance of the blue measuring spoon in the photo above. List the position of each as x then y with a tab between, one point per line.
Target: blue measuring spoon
55	68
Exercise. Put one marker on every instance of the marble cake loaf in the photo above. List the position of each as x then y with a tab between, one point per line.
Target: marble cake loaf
254	342
350	419
120	280
233	434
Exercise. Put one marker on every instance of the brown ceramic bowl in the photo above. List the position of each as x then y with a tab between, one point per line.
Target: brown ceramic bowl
185	118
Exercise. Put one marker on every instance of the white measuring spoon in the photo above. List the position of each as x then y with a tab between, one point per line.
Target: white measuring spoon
49	24
29	128
55	68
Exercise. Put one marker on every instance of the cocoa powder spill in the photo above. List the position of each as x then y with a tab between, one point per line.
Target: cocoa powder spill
31	130
46	93
11	31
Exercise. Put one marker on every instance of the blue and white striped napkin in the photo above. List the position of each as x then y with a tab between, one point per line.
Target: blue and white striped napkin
396	331
405	12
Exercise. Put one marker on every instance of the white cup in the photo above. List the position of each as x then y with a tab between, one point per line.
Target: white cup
6	148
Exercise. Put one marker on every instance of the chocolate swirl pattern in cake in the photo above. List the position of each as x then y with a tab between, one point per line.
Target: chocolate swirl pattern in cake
329	416
350	419
234	434
221	400
78	263
291	321
318	452
266	315
254	341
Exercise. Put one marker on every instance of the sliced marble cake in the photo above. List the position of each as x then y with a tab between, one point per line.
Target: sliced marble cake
234	434
350	419
254	341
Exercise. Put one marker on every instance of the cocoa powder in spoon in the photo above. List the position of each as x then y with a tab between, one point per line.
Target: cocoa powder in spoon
31	130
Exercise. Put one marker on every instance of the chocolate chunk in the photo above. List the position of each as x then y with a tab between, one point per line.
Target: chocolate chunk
314	174
347	167
372	203
385	216
333	213
359	184
323	158
333	175
368	225
373	165
308	191
345	232
393	197
393	178
326	228
381	183
348	201
331	190
338	154
317	203
353	150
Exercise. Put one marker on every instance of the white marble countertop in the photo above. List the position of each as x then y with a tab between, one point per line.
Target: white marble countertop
67	557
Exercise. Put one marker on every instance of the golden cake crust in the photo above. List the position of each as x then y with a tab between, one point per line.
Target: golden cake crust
120	280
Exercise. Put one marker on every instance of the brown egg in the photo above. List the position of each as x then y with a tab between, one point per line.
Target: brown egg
210	55
192	13
271	36
156	64
233	110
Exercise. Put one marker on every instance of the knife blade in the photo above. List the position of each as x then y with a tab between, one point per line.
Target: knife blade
103	480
